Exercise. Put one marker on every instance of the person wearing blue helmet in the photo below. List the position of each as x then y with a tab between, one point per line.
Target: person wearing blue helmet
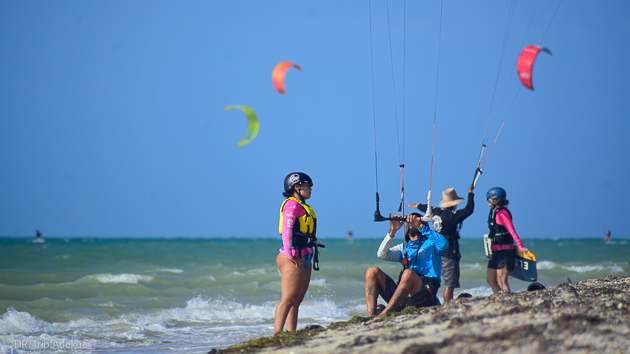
503	236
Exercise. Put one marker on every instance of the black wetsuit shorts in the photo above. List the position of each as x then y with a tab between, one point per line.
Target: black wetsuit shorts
424	297
502	258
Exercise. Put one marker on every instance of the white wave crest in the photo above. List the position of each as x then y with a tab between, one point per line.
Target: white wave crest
28	330
122	278
478	291
222	311
14	321
468	267
256	271
318	282
323	311
594	268
170	270
546	265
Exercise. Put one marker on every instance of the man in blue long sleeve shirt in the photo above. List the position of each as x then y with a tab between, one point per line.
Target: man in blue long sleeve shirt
420	279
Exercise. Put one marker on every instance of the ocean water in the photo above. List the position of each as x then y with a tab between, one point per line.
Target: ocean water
143	295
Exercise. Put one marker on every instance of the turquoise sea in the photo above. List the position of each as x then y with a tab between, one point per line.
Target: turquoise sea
189	295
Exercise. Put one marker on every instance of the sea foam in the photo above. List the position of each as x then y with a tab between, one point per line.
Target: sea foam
14	321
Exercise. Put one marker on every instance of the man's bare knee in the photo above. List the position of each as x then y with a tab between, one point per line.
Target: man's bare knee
409	276
372	273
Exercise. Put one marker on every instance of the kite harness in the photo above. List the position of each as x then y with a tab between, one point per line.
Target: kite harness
304	230
305	227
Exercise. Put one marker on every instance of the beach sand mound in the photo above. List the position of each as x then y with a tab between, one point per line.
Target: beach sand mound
587	316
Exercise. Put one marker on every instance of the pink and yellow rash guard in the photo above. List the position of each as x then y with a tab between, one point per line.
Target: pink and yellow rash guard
504	218
292	211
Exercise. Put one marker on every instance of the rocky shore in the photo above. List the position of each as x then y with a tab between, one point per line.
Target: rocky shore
583	317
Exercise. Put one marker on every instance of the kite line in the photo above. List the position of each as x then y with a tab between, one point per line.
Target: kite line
526	82
377	214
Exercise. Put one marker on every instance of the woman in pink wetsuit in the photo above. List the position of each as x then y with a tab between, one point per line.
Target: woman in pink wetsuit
503	236
297	225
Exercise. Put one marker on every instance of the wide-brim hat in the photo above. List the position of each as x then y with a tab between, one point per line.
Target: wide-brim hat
449	198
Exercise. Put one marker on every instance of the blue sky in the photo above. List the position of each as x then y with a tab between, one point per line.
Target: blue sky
112	121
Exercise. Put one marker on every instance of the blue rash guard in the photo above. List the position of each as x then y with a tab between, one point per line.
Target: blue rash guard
425	257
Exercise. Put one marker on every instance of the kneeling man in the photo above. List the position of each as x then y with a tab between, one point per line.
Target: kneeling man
421	256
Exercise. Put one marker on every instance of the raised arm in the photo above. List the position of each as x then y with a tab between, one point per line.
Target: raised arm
461	215
385	252
419	206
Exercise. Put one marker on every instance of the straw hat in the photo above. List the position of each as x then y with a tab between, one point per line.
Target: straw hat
449	198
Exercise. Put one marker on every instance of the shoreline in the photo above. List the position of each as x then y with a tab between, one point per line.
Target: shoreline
586	316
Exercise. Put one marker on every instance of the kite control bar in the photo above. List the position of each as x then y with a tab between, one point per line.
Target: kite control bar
378	217
377	213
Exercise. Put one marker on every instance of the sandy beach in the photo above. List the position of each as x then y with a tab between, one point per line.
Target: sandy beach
583	317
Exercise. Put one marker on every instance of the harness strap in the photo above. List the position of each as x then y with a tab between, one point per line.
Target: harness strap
316	255
315	258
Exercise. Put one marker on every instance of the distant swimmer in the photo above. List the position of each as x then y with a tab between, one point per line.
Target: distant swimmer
39	237
607	239
350	236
